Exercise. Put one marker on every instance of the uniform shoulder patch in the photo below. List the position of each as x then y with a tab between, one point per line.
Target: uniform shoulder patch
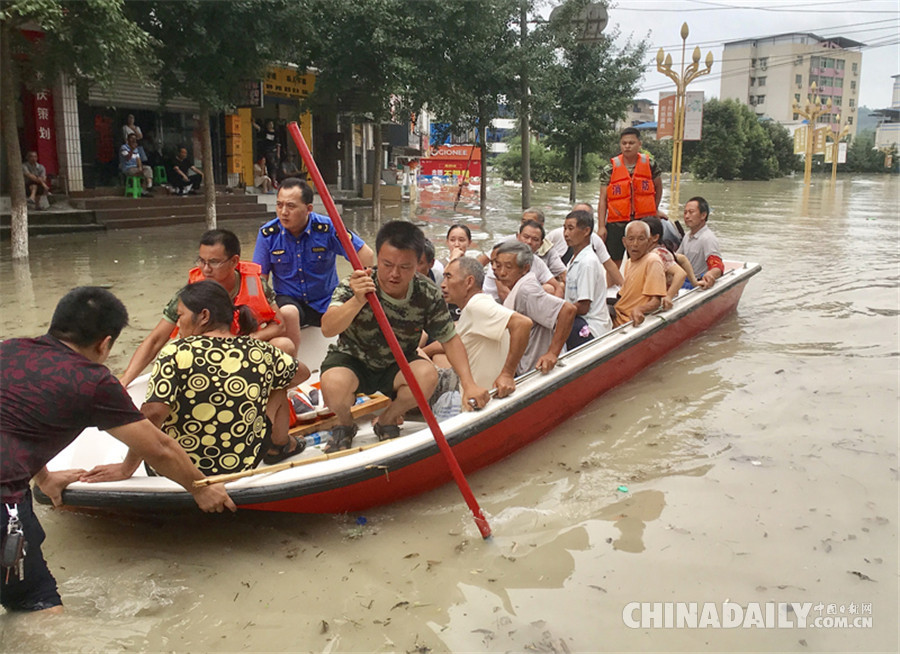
322	227
268	231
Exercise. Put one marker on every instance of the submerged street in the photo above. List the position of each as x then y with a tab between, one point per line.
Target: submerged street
757	463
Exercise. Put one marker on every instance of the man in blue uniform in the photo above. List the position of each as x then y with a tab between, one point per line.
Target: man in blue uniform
299	249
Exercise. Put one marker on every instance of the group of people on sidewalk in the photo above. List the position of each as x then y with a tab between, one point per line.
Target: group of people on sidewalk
225	350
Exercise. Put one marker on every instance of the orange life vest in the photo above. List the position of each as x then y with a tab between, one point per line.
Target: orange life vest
250	293
630	196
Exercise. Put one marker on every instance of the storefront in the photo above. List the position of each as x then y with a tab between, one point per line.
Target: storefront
260	132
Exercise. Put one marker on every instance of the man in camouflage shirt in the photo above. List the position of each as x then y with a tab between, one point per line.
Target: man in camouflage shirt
361	360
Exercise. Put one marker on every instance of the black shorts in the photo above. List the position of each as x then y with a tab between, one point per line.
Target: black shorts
308	315
36	591
371	380
615	232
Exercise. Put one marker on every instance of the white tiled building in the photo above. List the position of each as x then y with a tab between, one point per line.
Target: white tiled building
772	73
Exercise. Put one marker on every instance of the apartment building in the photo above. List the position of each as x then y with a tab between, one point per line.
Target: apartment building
772	73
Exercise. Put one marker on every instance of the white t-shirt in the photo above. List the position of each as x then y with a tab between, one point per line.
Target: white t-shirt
482	328
586	280
556	237
538	267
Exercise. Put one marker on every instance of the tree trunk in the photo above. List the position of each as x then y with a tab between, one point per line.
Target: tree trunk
525	127
209	182
576	168
376	181
19	207
482	130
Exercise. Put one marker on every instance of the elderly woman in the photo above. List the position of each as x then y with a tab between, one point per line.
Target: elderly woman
221	396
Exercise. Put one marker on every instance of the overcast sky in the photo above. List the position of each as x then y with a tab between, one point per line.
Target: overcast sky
875	23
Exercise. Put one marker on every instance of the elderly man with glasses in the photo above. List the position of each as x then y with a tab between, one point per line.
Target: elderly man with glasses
299	248
219	261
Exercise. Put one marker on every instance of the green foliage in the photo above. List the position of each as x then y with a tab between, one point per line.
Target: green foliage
548	163
734	146
365	53
862	157
660	151
783	147
208	48
587	87
81	39
468	61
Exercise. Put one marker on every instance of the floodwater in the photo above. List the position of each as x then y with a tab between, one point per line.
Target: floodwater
757	463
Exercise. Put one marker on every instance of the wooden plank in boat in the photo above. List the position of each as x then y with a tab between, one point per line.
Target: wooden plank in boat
375	403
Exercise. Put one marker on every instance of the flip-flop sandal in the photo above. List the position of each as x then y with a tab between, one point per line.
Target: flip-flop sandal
386	432
341	438
271	458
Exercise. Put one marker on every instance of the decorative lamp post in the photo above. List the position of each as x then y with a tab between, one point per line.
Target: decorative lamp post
814	107
688	75
837	134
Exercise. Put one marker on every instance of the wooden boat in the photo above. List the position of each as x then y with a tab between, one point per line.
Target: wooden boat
392	470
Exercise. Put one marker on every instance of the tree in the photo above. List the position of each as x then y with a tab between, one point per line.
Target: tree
366	54
79	40
208	49
588	87
783	147
467	65
863	157
734	145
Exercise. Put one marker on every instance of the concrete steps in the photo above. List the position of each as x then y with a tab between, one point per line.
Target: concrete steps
53	221
116	212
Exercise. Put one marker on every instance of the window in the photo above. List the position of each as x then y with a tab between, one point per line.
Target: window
836	101
798	61
828	62
852	103
798	80
854	67
814	62
826	81
761	81
849	120
839	82
839	64
852	86
797	98
760	99
763	62
796	116
752	81
753	63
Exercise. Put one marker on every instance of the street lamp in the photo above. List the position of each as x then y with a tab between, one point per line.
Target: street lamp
837	134
693	71
814	107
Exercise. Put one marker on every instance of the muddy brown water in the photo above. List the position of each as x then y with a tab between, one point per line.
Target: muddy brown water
757	463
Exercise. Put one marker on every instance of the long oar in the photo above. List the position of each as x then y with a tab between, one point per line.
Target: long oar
388	332
465	177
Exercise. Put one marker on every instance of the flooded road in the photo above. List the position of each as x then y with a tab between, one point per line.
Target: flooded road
757	463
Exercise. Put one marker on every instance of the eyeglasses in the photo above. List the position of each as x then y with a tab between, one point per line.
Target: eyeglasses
212	263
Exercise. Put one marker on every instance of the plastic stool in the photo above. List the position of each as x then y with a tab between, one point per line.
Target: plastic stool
159	175
133	186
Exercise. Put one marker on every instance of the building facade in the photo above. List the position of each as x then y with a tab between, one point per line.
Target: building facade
887	134
772	73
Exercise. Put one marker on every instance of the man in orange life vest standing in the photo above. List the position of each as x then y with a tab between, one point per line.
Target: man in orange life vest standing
219	261
630	189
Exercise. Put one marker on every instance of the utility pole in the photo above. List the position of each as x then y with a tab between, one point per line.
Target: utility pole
525	123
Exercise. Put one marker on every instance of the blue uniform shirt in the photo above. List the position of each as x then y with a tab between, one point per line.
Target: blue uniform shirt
302	267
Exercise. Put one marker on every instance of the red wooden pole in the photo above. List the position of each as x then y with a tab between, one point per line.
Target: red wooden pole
480	521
